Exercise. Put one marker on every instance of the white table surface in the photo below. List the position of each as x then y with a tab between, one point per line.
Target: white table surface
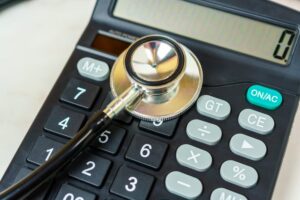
36	39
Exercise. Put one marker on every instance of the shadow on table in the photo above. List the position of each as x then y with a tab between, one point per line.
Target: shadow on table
5	4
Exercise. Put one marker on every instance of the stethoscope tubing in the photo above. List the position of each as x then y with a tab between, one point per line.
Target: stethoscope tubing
70	151
96	124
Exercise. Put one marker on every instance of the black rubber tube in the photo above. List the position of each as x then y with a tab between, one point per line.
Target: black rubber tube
94	126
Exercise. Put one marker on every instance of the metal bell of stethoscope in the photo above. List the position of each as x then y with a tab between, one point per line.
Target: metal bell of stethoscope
156	78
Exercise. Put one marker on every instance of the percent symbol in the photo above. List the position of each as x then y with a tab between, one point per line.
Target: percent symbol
239	173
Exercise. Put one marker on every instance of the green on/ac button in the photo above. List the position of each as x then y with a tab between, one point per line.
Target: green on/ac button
264	97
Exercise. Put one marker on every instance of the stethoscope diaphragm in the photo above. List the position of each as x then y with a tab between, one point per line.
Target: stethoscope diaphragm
168	73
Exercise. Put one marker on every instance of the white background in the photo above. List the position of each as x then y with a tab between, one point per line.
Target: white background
36	39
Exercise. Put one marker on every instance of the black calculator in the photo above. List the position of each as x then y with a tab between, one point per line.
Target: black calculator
228	146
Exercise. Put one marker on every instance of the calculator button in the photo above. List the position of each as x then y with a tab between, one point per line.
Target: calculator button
193	157
110	140
239	174
79	93
132	184
264	97
22	173
183	185
248	147
204	132
224	194
64	122
213	107
43	149
93	69
256	121
70	192
41	192
164	128
90	168
123	116
146	151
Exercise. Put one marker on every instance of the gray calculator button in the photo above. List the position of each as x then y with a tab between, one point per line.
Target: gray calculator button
239	174
93	69
213	107
248	147
224	194
193	157
204	132
256	121
183	185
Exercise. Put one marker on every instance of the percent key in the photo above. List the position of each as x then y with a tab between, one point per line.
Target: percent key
239	174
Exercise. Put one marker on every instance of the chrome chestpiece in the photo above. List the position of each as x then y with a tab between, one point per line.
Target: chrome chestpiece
166	74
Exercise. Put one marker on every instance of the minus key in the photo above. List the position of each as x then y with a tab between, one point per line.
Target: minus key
183	185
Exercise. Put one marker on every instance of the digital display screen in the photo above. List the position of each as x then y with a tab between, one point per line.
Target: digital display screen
241	34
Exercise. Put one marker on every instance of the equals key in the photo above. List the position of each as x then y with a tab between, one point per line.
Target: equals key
204	132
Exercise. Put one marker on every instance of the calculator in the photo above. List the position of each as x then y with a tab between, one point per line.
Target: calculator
228	146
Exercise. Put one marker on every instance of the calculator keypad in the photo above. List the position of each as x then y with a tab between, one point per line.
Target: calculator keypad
207	153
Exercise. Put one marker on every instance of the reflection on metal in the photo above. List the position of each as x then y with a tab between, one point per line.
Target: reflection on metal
156	61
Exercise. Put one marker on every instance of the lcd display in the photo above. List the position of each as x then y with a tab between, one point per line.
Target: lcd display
223	29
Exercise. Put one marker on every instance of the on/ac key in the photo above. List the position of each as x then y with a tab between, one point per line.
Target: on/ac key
264	97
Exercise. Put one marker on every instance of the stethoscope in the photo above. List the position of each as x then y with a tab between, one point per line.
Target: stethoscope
156	78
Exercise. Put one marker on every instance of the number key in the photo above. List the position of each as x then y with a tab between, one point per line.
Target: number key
146	151
164	128
43	149
131	184
80	93
64	122
111	139
68	192
90	168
